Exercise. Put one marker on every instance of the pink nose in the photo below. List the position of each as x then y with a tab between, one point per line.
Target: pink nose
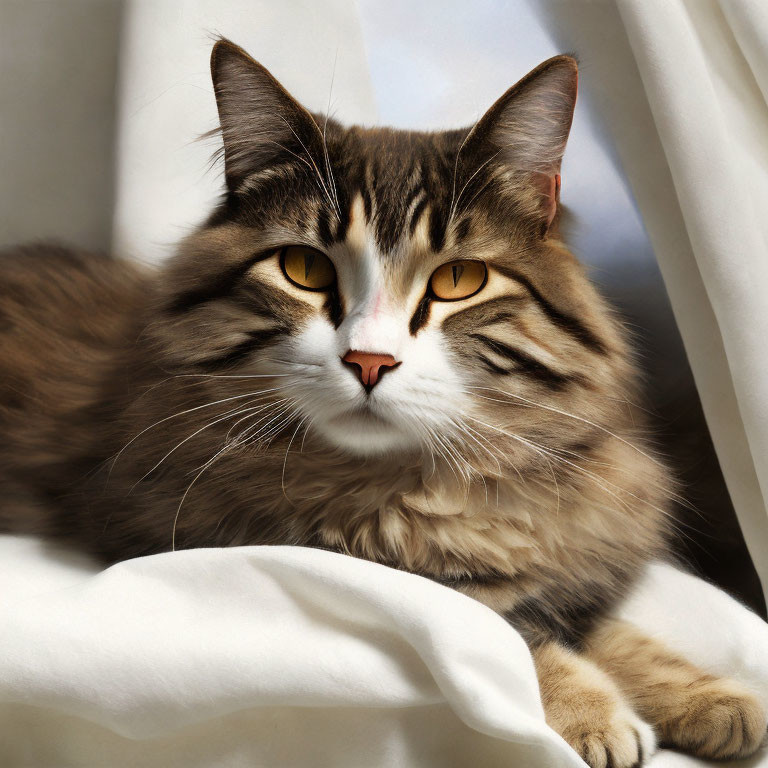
369	367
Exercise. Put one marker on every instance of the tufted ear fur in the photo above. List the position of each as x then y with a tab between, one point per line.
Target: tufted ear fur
527	128
262	125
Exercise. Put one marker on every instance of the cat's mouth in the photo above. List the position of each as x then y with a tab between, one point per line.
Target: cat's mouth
365	431
363	415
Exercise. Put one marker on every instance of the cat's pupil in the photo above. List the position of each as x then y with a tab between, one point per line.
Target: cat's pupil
457	272
309	260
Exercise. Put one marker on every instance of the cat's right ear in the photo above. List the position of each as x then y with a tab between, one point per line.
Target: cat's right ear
525	131
262	125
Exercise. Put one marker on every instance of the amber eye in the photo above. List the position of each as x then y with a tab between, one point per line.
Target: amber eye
307	268
458	280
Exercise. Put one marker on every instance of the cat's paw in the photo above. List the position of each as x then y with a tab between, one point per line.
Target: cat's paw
718	719
587	709
618	740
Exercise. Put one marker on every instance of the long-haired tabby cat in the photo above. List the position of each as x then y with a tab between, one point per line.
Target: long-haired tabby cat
378	345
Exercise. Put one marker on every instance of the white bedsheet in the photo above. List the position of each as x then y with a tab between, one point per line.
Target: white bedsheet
282	656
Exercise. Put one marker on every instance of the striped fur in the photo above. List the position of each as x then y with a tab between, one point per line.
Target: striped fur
208	405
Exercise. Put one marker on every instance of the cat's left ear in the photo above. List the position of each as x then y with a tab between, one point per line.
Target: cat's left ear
527	128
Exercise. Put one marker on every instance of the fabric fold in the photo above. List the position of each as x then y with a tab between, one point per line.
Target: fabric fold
286	656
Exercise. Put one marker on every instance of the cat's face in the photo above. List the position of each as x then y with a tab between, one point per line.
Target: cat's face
402	288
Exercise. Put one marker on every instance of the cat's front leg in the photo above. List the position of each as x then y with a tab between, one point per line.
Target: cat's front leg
708	716
587	709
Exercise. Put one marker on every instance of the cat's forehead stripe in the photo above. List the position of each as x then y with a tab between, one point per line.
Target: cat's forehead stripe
400	179
363	230
417	228
356	235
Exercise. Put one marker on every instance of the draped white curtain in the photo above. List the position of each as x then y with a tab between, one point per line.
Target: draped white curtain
683	85
704	65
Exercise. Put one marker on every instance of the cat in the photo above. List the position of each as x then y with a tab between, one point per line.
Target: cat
376	344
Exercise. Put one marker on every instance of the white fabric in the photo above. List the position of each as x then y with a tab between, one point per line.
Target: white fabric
283	656
703	64
685	104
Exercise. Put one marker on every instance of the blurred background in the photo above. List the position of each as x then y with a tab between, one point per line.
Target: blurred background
102	103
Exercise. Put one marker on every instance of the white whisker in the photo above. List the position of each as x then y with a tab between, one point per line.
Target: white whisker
209	463
287	451
229	415
600	481
534	404
260	409
183	413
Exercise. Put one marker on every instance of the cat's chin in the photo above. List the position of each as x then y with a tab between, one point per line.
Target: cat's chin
367	435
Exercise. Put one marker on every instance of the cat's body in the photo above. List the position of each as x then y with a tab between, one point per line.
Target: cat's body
72	405
219	401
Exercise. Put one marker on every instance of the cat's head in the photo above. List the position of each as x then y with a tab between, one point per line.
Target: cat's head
406	289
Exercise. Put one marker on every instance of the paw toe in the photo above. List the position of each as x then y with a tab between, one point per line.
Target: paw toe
722	721
623	742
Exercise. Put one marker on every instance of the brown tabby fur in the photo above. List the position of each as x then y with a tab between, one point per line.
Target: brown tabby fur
122	397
